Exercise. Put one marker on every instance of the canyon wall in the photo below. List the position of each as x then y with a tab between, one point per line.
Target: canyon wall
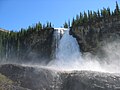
26	46
93	35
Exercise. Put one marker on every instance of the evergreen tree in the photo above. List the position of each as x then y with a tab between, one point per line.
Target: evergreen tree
91	15
65	25
77	17
104	12
81	18
94	15
38	26
50	25
43	26
108	10
98	14
117	9
73	22
88	15
69	23
85	20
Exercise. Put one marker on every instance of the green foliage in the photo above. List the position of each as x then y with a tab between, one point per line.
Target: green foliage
94	16
65	25
38	26
98	14
85	19
117	10
5	80
73	22
14	44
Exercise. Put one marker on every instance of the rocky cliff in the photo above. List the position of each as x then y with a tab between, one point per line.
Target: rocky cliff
32	45
38	46
92	36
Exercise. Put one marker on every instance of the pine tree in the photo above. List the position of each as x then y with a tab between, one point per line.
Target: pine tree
69	23
98	14
38	26
108	10
43	26
117	9
73	22
81	18
88	15
77	17
85	17
50	25
91	15
94	15
65	25
104	12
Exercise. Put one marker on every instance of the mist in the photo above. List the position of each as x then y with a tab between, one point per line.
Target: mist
69	57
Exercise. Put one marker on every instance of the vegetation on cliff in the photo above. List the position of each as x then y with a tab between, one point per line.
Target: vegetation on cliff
93	28
35	43
26	44
5	82
92	17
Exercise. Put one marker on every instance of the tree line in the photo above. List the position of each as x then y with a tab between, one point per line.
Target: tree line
13	45
90	16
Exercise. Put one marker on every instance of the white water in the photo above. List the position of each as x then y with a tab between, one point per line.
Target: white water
58	33
68	57
67	50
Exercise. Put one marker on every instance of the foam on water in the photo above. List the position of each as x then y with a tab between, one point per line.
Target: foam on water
68	57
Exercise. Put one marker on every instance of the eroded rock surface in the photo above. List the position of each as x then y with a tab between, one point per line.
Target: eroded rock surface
94	35
35	78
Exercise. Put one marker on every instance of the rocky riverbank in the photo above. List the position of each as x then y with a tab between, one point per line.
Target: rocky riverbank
41	78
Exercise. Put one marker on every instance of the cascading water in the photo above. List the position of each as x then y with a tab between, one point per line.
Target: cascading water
67	51
66	71
68	56
68	48
58	32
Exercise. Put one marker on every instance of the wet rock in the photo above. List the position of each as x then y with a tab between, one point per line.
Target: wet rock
89	80
43	78
28	77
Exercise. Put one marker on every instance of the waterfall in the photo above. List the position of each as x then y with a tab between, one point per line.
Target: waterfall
68	49
68	56
58	33
67	52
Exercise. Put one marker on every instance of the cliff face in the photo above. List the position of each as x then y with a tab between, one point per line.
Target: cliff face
26	46
39	46
91	36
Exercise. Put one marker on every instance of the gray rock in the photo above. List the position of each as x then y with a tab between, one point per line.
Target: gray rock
46	79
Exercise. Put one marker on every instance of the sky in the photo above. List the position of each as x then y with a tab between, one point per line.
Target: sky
17	14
